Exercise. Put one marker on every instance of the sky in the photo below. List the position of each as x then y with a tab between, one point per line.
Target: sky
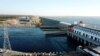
50	7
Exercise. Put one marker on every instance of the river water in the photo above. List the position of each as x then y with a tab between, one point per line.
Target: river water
33	39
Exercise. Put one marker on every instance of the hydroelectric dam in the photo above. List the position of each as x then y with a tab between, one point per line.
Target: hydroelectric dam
87	39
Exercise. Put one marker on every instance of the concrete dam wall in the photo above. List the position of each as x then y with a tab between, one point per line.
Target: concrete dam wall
49	22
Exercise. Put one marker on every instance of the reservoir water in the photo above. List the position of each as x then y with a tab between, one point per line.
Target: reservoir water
31	39
88	20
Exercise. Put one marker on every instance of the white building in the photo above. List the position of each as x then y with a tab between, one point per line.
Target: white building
87	33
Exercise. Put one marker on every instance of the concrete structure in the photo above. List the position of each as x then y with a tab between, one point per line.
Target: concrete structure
49	22
85	35
25	21
91	50
17	53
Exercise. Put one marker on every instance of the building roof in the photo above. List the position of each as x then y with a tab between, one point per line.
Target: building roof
88	28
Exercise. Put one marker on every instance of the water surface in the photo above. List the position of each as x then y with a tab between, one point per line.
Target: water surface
30	39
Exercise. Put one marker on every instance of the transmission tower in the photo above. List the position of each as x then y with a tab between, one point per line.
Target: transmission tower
6	44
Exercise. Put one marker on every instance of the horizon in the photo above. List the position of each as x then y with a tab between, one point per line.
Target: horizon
50	7
44	15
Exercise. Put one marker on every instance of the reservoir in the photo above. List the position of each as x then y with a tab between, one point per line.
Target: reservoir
33	39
